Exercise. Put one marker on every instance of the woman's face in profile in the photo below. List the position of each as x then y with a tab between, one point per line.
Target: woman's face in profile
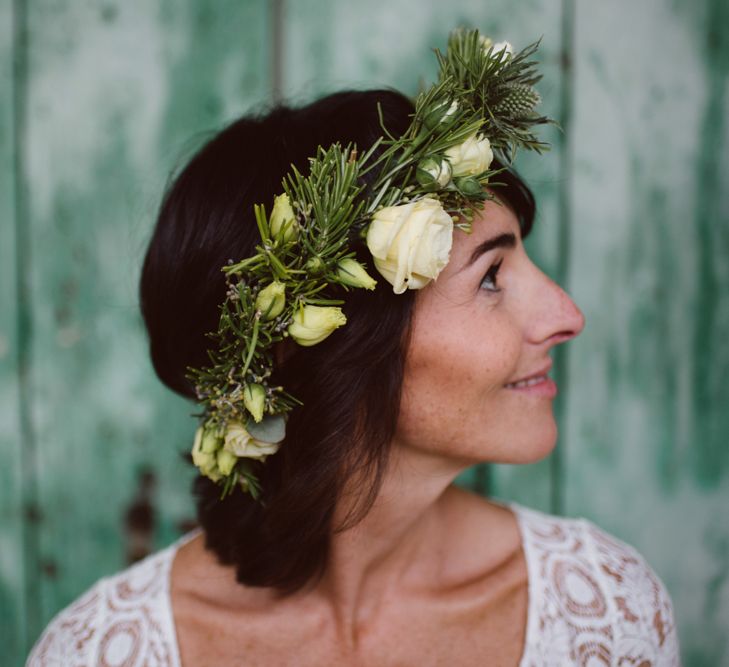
489	320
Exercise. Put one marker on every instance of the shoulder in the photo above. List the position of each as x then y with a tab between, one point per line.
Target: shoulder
119	620
597	593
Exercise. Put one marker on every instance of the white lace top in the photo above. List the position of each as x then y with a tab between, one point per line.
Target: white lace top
593	601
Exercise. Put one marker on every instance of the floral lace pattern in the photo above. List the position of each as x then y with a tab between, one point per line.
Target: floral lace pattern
122	621
593	601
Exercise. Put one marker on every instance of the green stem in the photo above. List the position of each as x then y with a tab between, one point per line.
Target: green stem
252	346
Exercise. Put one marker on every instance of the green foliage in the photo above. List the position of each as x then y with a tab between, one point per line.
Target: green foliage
477	93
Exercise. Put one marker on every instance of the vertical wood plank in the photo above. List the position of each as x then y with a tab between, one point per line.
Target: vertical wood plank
331	45
119	95
13	609
648	423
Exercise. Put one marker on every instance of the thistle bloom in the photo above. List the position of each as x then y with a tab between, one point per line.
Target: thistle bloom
312	324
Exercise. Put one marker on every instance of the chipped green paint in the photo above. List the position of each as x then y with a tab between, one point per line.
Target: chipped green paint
17	583
710	351
649	266
633	215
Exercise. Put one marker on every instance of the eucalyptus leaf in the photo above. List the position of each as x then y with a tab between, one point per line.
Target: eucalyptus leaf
272	428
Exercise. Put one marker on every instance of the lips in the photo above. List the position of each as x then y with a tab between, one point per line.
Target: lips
532	378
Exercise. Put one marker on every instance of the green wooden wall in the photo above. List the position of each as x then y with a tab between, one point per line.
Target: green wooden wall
102	99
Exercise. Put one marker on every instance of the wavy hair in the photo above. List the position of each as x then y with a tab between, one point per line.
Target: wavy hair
350	384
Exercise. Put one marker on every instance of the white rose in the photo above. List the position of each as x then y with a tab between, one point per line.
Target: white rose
410	243
241	443
471	157
502	50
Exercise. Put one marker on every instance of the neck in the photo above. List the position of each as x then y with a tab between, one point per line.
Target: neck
395	548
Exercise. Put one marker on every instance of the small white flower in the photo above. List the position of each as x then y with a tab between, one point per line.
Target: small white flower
502	50
472	157
241	443
411	243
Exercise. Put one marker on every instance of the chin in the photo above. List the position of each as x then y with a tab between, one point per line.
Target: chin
531	446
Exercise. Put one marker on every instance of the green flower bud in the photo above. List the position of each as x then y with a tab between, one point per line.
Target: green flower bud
210	441
271	300
226	461
315	266
283	221
203	453
469	186
312	324
254	398
352	273
441	112
433	172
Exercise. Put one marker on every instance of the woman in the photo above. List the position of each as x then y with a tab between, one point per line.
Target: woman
364	552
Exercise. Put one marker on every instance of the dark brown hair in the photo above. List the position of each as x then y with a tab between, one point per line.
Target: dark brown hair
349	384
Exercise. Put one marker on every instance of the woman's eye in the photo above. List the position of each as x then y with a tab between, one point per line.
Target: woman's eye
489	280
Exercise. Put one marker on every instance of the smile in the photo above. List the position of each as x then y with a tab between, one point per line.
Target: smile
540	385
527	383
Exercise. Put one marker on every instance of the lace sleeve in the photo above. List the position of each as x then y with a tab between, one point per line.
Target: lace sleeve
68	638
645	625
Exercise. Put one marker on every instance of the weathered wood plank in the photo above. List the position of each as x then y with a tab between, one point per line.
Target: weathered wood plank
118	93
648	420
13	611
331	45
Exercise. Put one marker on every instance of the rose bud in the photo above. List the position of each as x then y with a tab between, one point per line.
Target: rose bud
271	300
472	157
433	172
312	324
352	273
283	221
254	398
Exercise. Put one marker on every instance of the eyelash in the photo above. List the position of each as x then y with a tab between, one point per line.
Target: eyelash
491	274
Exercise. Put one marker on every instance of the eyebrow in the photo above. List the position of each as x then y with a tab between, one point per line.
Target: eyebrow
506	240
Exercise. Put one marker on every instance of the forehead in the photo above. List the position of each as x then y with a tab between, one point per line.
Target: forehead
495	218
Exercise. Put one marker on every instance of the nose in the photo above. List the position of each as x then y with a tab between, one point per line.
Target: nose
558	318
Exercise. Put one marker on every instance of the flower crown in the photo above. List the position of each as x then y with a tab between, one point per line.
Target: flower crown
427	182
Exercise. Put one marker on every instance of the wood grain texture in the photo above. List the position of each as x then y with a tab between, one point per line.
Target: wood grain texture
13	543
633	218
119	94
647	419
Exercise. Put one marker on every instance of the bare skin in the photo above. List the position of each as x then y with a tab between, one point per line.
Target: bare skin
433	575
473	613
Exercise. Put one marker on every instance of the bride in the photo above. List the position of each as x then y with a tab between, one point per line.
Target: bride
364	551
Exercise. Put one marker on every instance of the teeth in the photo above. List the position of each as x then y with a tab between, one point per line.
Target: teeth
528	383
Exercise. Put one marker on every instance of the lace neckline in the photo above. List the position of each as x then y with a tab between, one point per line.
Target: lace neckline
517	509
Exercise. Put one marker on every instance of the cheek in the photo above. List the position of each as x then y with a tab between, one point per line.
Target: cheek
456	370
